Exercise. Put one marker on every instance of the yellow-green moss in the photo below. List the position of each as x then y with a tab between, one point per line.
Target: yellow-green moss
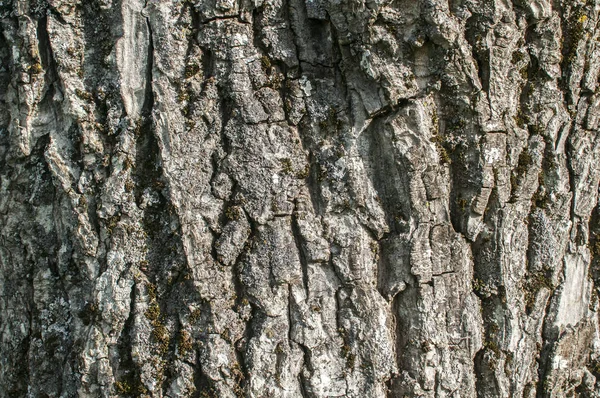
84	95
191	70
233	213
36	69
265	62
286	166
123	387
304	173
185	343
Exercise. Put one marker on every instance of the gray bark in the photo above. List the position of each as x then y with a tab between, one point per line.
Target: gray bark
299	198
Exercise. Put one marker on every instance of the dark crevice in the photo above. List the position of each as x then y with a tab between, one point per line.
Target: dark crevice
221	18
240	289
477	28
307	365
302	382
572	30
313	180
242	300
388	175
290	317
125	370
289	15
545	356
301	253
466	173
149	92
205	387
403	307
45	51
571	152
594	245
208	64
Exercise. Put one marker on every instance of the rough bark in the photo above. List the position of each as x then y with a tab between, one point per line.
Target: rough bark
299	198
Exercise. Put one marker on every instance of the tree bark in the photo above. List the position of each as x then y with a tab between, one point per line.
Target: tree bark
289	198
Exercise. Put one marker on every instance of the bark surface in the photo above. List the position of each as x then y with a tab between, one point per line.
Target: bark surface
299	198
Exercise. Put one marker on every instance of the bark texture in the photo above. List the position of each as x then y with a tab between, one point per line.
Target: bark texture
299	198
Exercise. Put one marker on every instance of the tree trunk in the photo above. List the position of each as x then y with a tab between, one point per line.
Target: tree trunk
299	198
